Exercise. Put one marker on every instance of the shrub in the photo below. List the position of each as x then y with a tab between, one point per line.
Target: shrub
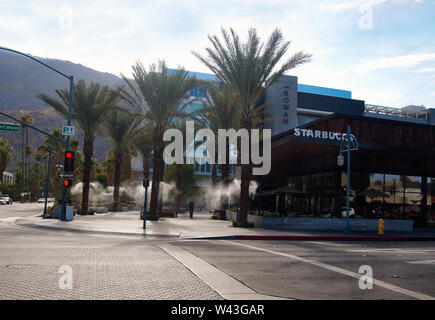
243	225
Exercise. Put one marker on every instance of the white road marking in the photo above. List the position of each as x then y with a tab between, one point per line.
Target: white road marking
379	283
396	250
225	285
327	243
422	262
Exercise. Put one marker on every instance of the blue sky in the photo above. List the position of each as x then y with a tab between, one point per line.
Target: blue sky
381	50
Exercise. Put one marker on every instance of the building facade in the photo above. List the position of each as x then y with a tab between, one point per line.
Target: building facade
7	178
392	172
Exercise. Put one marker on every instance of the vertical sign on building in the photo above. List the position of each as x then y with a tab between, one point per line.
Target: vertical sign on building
282	102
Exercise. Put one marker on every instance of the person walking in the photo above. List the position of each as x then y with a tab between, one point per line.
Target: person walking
191	209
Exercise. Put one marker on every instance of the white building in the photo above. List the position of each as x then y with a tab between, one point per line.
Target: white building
7	178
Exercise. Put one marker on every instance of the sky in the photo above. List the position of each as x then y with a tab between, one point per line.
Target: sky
381	50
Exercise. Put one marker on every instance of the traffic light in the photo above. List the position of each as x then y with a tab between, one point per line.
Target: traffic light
67	183
69	161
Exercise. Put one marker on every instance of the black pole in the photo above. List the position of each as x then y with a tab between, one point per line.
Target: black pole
47	182
146	183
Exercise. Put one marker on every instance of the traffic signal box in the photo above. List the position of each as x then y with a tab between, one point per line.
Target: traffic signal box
68	168
68	162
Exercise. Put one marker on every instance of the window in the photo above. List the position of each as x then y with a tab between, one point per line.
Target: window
198	91
305	118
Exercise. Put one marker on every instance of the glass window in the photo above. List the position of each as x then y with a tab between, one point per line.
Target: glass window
376	181
412	184
304	118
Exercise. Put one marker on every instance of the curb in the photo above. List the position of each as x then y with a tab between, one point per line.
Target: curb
87	231
318	238
235	237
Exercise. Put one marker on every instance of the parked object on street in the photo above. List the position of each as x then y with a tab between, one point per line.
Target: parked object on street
8	200
351	212
5	200
191	207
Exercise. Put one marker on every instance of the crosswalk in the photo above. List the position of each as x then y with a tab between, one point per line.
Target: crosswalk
392	250
422	262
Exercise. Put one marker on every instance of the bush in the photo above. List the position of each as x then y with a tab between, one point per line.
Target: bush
243	225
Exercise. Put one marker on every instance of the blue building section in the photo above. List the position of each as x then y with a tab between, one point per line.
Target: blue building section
325	91
201	75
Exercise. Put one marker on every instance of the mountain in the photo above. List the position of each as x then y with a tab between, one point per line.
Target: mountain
22	79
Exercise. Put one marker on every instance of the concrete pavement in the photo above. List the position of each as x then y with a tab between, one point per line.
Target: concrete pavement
201	227
112	257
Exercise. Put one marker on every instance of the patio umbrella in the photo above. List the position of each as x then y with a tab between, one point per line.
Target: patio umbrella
372	193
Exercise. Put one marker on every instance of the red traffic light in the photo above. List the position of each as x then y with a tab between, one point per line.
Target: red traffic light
67	182
68	165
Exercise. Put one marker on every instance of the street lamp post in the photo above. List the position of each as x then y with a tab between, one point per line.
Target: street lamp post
68	139
348	143
146	184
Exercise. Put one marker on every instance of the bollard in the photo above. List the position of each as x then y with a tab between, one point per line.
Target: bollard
381	227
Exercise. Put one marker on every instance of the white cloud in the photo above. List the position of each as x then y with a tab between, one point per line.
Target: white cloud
395	62
385	97
424	70
111	35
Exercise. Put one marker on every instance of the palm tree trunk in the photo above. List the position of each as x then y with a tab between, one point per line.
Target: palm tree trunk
117	182
22	160
160	202
146	167
157	172
88	150
245	179
178	172
27	163
225	170
213	174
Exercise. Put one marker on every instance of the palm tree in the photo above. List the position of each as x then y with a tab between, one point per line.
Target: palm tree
58	150
220	111
143	144
24	168
250	68
158	96
89	109
5	156
120	126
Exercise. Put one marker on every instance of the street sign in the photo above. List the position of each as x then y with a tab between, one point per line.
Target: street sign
68	130
12	127
66	175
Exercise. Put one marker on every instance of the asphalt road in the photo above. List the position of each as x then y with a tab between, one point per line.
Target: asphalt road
324	270
111	267
21	209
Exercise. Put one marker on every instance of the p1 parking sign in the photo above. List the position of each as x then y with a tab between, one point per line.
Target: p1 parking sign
68	130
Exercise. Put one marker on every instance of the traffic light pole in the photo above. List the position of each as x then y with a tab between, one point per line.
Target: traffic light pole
67	145
47	182
71	87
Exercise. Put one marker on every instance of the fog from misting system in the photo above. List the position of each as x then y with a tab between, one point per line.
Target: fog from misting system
209	199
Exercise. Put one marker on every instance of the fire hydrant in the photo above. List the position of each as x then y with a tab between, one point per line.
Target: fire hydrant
381	227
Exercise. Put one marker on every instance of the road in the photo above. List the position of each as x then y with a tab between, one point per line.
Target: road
324	270
21	209
33	263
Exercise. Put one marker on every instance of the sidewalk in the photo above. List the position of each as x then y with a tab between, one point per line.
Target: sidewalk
201	227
